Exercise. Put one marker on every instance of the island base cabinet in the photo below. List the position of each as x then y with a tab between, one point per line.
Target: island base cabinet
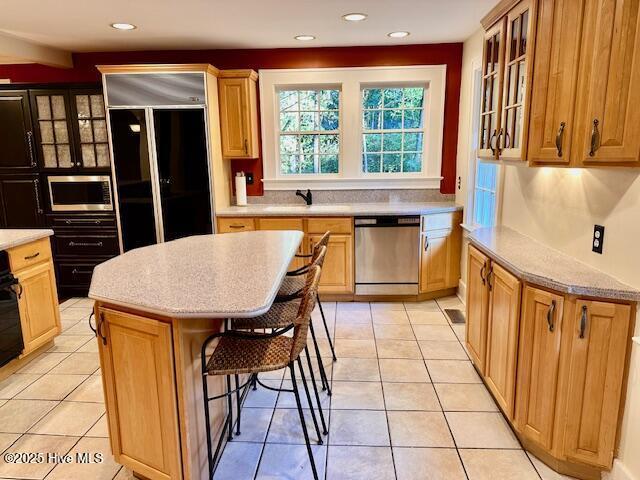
541	329
140	392
599	336
38	306
477	306
502	337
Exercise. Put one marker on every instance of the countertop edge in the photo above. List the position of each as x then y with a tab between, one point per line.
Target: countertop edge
32	236
258	210
623	295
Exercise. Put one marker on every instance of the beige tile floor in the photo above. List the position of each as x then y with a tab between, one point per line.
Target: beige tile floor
407	404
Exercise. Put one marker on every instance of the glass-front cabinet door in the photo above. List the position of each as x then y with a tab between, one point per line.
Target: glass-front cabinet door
512	128
54	140
492	74
92	146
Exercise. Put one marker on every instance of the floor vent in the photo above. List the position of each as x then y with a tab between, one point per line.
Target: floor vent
456	316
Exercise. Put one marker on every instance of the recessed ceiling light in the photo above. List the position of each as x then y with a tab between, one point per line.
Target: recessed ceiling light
123	26
398	34
304	38
354	17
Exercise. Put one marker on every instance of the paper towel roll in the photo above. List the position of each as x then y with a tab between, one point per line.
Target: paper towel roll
241	189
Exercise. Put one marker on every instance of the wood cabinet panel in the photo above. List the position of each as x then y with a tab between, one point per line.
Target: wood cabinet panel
502	336
477	304
337	271
555	72
438	221
28	254
38	305
541	330
609	83
440	259
138	376
239	114
333	225
599	340
229	225
271	223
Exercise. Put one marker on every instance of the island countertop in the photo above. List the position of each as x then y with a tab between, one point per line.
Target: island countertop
339	209
204	276
14	237
536	263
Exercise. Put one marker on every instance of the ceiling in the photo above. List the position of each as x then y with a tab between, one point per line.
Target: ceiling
83	25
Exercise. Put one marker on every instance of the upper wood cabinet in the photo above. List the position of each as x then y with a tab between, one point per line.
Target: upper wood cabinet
508	48
239	113
502	336
478	265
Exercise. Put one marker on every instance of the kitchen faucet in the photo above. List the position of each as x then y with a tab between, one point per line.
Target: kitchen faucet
307	197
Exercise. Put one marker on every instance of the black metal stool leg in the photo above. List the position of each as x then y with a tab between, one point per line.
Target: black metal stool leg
326	329
302	422
315	390
308	394
205	397
230	407
238	403
323	374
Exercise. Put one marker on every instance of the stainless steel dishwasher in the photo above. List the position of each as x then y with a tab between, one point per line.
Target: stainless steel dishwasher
387	255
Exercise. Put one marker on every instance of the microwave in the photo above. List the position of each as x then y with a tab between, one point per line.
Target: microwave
68	193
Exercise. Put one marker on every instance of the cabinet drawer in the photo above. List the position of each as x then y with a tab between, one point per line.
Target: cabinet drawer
227	225
29	254
437	221
280	224
94	245
82	222
333	225
76	274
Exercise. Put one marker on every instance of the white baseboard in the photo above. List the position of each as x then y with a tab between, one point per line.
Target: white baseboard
619	472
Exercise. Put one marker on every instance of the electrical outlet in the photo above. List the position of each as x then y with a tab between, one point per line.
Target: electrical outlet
249	176
598	239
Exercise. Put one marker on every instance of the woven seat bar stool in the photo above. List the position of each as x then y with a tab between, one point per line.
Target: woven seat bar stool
241	352
281	315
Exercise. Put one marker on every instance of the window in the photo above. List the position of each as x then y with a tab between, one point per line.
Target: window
309	131
352	128
393	129
484	204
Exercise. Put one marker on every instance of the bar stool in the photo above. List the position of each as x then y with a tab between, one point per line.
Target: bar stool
239	352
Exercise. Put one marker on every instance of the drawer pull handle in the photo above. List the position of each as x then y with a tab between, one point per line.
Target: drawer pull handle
236	226
426	243
85	244
91	326
550	312
18	291
99	329
246	146
491	147
559	138
583	321
31	257
75	271
595	138
32	157
71	222
498	141
484	280
489	275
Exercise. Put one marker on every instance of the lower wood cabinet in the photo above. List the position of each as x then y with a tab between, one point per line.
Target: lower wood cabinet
555	363
285	224
337	271
502	336
441	241
136	356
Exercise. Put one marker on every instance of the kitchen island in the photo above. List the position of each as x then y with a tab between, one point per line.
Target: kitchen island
154	308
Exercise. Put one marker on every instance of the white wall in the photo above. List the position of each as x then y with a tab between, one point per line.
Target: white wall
559	208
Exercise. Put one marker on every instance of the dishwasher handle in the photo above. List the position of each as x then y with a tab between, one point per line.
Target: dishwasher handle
387	221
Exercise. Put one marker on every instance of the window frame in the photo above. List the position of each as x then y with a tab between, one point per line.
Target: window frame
351	82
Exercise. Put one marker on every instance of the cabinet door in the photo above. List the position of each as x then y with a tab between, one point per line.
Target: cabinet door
477	306
53	129
492	75
17	152
238	117
599	341
439	259
38	305
286	224
609	83
136	356
90	129
502	337
337	271
541	329
553	91
21	202
515	102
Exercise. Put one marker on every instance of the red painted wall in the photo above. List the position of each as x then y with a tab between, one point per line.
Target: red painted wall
449	54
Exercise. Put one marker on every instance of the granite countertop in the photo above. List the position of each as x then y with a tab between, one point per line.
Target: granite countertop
204	276
10	238
536	263
342	210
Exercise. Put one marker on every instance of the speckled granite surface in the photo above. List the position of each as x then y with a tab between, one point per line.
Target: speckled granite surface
344	209
217	276
14	237
411	195
536	263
